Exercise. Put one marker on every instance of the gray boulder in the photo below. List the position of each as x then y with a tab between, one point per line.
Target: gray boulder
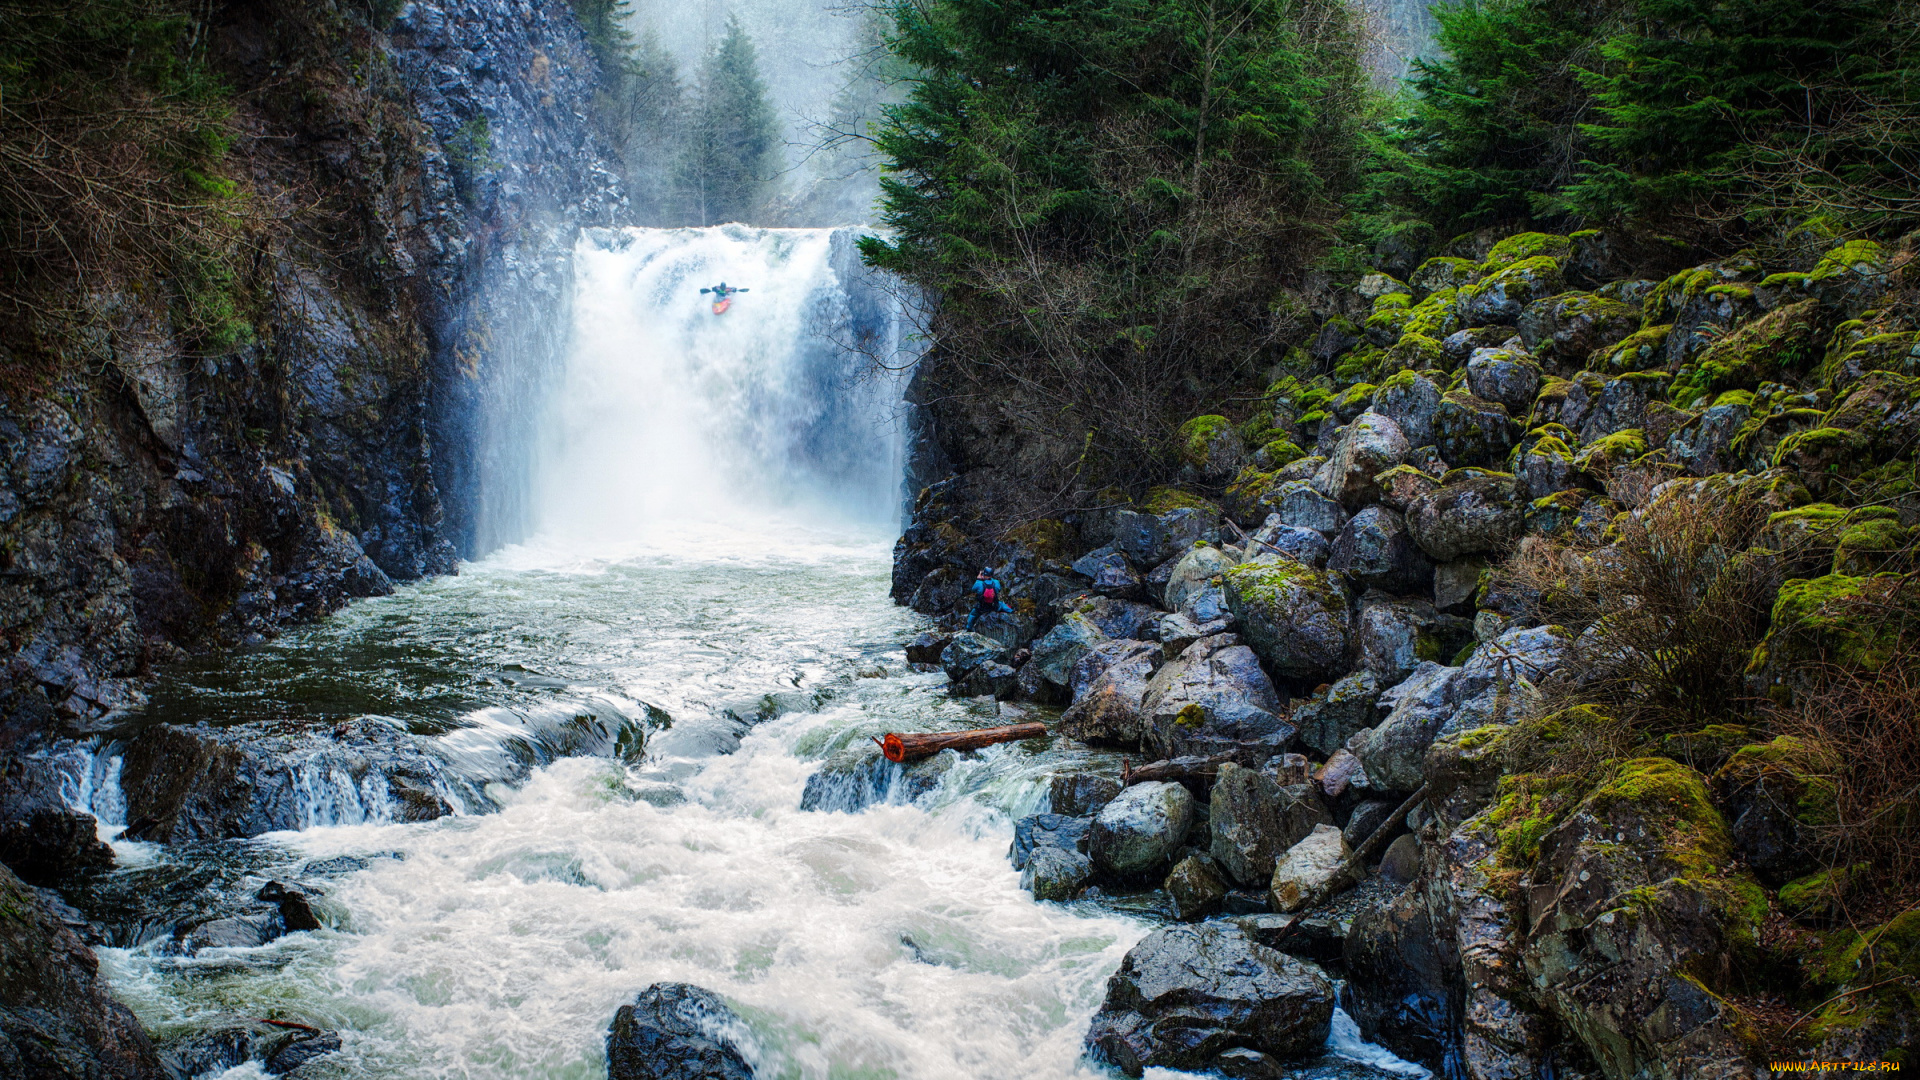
1116	618
1368	446
1253	819
1056	873
992	679
1192	575
1108	685
1111	574
1175	632
1544	467
1411	401
1375	551
675	1031
1455	584
1141	829
1497	685
1504	376
1311	871
1472	432
1300	504
1047	830
1570	326
1061	647
1080	794
1294	616
1195	887
1704	445
1149	540
1188	995
1214	697
968	651
1327	721
1011	629
1303	545
1393	633
1478	515
1417	708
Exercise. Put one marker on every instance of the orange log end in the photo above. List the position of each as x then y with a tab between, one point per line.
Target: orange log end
892	748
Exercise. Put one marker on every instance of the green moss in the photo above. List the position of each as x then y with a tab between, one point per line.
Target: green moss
1352	401
1779	342
1660	788
1191	715
1435	317
1362	364
1638	351
1603	454
1814	619
1442	271
1825	449
1820	895
1303	397
1526	810
1163	500
1416	352
1707	748
1198	436
1735	293
1282	453
1264	582
1857	256
1525	246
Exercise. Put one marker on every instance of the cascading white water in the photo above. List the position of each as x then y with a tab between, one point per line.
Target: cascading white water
670	413
717	499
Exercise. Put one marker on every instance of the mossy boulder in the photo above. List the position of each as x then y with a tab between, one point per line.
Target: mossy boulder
1441	273
1521	247
1821	896
1870	547
1873	1013
1389	318
1434	317
1499	297
1601	456
1410	400
1276	454
1823	620
1639	922
1294	616
1569	327
1859	347
1469	430
1850	277
1210	449
1782	342
1165	500
1642	350
1779	796
1482	515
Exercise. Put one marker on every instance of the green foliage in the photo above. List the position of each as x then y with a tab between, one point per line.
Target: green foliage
1067	172
731	148
1670	112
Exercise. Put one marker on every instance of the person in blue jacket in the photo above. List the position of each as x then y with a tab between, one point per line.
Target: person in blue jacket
987	596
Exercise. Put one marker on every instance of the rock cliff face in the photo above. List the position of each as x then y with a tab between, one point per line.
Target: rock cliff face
425	178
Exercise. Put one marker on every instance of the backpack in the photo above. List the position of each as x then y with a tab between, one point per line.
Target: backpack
989	594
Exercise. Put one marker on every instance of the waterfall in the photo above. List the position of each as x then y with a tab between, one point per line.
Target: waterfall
669	415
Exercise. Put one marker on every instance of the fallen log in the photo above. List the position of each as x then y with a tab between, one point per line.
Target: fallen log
1358	859
1183	770
898	746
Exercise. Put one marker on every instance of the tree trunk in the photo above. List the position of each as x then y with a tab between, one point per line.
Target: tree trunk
906	747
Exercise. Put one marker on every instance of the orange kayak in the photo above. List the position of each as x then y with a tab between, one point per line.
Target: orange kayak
722	305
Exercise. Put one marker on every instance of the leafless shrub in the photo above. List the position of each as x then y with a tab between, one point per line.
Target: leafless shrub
1667	614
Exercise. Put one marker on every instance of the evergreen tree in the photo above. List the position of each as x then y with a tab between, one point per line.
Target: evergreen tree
1108	195
1695	117
731	148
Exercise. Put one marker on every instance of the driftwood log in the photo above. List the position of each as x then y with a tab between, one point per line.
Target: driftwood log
899	746
1182	770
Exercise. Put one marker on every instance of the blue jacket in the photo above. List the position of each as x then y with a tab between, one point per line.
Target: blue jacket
980	588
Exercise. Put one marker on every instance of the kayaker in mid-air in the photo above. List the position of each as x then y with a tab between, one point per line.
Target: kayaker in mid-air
722	296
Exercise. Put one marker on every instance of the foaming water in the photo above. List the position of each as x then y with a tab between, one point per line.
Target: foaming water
636	698
670	413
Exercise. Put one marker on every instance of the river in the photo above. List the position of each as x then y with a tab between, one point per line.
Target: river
638	693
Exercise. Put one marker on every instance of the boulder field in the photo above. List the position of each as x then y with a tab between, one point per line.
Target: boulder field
1319	648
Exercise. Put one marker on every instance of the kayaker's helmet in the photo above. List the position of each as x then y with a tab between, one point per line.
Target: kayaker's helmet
986	571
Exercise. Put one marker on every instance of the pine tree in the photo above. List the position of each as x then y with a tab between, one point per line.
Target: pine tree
1110	195
731	149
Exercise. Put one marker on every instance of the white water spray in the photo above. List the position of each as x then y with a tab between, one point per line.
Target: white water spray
671	415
